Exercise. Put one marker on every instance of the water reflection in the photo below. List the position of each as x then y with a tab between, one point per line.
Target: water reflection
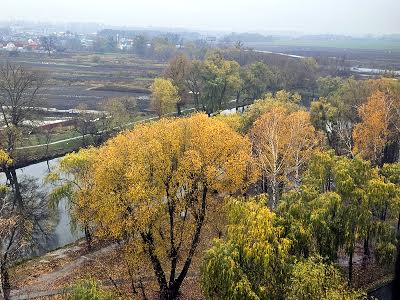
62	234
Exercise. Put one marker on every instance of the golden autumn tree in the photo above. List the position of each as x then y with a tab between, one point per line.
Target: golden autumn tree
371	134
152	188
164	96
283	142
71	180
289	101
304	140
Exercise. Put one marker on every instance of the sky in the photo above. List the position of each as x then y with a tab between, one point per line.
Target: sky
350	17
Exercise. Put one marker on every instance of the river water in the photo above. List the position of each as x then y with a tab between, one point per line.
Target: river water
62	234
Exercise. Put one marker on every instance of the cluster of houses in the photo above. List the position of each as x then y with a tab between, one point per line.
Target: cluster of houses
22	46
25	42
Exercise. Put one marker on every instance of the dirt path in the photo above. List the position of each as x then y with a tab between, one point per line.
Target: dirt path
40	287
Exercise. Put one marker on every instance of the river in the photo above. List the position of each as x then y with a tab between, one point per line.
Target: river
62	234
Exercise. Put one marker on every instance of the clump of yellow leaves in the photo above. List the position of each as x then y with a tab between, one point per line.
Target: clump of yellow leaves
150	187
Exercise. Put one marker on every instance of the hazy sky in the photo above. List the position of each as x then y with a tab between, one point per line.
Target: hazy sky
307	16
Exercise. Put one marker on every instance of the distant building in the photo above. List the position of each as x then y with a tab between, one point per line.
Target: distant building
125	44
87	43
211	39
32	45
11	47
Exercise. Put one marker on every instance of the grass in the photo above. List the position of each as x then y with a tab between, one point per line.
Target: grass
39	138
54	150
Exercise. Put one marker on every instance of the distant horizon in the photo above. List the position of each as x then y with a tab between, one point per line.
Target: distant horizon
310	17
291	33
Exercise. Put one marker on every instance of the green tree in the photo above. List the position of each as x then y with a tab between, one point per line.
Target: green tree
314	279
255	81
118	112
253	261
283	99
88	290
220	80
328	86
341	203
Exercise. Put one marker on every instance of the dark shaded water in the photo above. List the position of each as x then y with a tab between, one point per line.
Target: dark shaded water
62	234
383	293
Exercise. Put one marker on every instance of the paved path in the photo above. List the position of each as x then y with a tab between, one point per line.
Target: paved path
79	137
40	287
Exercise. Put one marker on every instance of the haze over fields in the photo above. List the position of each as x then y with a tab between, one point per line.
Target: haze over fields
356	17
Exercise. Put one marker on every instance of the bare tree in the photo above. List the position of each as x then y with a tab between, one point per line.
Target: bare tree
344	131
19	103
19	99
22	229
85	123
48	43
47	133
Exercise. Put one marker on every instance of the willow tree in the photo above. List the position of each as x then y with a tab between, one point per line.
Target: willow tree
152	188
316	279
342	203
253	261
71	181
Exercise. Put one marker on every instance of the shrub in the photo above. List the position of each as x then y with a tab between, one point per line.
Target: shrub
88	290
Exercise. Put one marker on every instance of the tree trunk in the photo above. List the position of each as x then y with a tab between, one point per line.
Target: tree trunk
88	237
396	282
13	178
275	191
196	102
5	281
398	225
264	183
366	246
237	101
170	293
178	108
350	268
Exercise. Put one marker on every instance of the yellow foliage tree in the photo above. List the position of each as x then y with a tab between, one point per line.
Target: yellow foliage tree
282	99
164	96
371	135
72	181
152	187
283	142
5	159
